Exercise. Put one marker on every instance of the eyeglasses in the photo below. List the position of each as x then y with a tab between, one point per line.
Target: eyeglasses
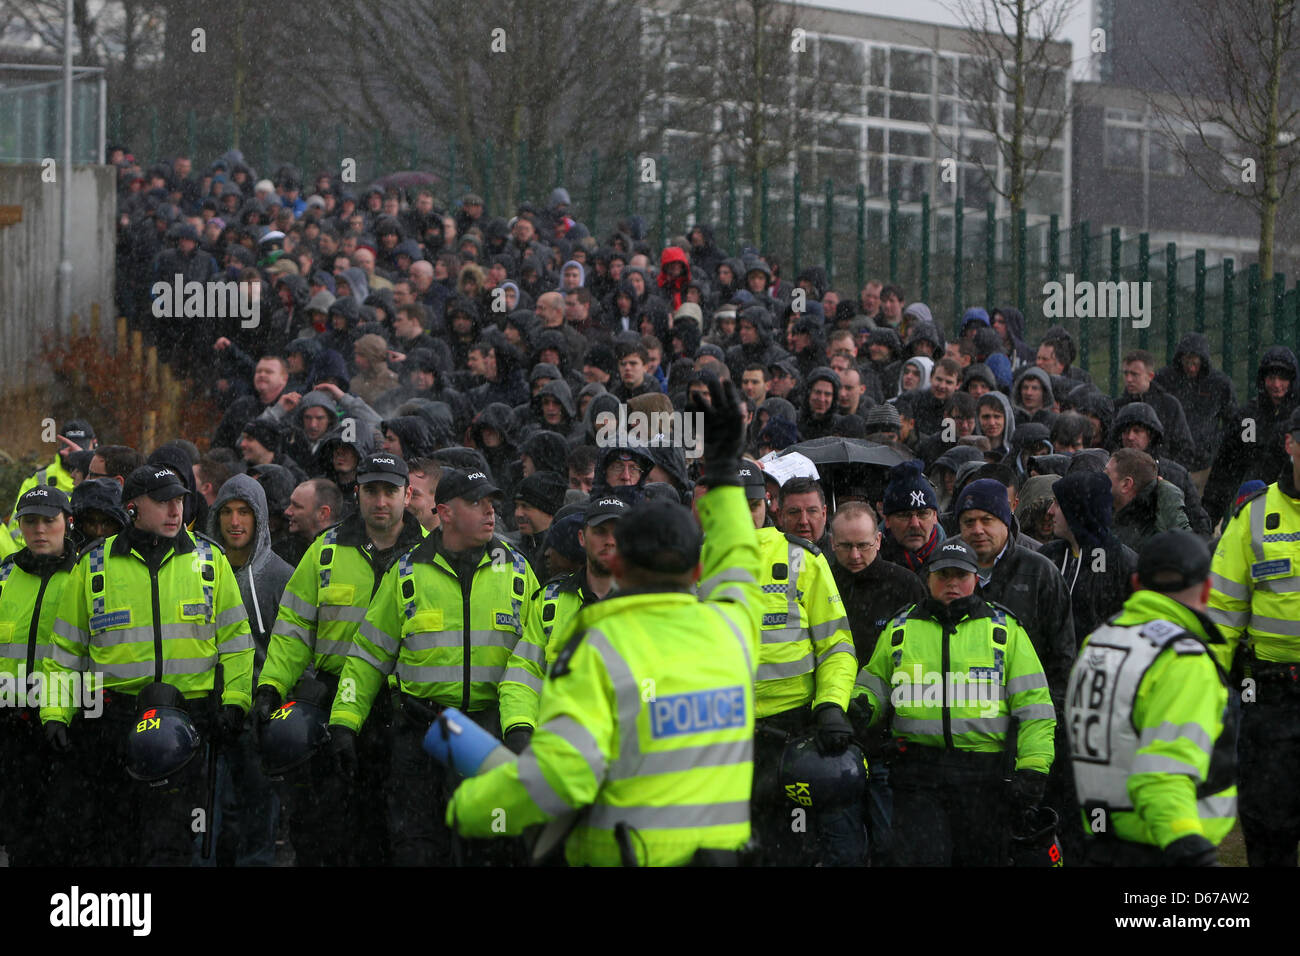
848	547
624	467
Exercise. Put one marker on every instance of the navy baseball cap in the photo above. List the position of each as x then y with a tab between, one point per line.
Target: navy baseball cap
44	500
160	484
953	553
1172	561
751	479
608	507
383	467
470	485
659	536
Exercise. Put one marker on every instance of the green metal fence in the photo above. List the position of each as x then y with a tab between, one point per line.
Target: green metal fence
947	256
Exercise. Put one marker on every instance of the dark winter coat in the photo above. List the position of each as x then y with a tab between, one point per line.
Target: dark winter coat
1262	458
1177	436
1208	400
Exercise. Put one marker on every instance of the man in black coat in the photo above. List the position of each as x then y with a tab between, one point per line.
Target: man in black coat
1252	447
1140	386
1138	426
1095	566
1207	397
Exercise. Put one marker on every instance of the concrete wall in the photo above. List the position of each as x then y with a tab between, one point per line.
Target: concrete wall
29	262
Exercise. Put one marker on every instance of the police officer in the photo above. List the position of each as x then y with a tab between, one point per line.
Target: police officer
806	668
31	585
1152	735
561	598
1255	601
955	674
643	753
154	613
449	622
322	606
77	435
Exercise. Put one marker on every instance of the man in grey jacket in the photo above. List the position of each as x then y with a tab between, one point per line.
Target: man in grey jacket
238	520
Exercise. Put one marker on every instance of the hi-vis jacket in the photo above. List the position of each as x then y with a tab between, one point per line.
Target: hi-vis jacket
1256	577
30	590
557	603
807	654
136	624
1152	739
647	718
952	677
325	602
458	644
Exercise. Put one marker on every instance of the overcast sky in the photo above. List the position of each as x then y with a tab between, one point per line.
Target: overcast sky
932	11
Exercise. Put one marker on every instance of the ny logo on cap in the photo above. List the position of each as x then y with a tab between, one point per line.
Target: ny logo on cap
476	474
918	499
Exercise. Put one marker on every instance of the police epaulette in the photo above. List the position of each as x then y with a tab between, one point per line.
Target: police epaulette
1005	610
802	542
1239	508
561	665
221	548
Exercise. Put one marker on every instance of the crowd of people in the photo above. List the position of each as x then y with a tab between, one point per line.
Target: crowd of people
420	404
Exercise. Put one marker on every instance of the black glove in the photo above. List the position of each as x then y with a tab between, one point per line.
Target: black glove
343	748
517	738
265	701
1027	788
56	735
231	723
1191	850
834	732
724	433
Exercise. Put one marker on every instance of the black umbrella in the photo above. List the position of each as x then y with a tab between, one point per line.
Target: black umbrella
405	180
833	450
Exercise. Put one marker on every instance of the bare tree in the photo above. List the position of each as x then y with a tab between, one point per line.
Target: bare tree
1012	85
1233	115
750	66
506	73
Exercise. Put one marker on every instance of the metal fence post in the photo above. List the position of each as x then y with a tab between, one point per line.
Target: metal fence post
415	149
1116	244
489	174
1144	276
377	150
1229	306
860	251
829	232
1022	259
958	226
699	192
925	247
990	265
525	171
1280	328
1054	250
559	165
1199	300
731	208
764	207
797	243
893	234
1171	300
663	202
593	192
629	186
1254	290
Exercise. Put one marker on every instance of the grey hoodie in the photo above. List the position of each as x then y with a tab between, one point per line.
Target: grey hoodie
1009	429
264	574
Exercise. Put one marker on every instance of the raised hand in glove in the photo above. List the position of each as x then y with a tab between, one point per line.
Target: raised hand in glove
516	738
724	433
1191	850
1027	788
834	732
343	748
265	701
56	735
231	722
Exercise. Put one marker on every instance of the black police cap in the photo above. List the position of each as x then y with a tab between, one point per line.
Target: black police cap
1173	561
659	536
